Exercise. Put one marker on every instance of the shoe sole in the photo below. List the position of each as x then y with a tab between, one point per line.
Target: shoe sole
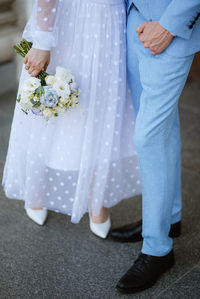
137	290
135	240
126	241
146	286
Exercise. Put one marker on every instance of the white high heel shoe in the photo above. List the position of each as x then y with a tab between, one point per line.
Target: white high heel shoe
38	216
100	229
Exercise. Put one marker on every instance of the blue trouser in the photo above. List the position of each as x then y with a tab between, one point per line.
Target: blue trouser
156	84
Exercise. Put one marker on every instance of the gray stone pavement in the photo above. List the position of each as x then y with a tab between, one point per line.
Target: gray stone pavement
63	260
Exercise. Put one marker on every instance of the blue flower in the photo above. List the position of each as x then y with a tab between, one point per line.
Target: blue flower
50	97
37	112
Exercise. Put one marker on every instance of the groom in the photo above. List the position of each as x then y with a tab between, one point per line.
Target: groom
162	37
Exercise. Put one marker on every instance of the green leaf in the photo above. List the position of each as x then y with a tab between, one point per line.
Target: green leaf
19	98
25	111
36	105
39	90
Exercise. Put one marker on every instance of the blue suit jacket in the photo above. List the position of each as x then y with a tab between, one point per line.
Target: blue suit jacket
180	17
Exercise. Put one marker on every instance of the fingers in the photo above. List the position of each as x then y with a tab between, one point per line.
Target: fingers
140	28
46	66
156	51
33	69
146	45
141	38
154	37
30	70
27	67
36	60
34	73
153	51
25	59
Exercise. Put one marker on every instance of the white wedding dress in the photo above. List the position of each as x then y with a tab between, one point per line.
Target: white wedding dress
85	157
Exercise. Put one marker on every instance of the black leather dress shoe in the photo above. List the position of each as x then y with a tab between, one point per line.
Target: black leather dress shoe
145	272
133	232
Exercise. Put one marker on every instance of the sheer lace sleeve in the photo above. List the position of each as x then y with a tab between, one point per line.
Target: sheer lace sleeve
43	26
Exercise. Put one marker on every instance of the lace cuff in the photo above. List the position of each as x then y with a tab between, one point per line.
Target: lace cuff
43	27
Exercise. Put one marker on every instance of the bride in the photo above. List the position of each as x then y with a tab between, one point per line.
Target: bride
84	160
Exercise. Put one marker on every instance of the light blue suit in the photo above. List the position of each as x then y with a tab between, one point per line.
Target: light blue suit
181	18
156	84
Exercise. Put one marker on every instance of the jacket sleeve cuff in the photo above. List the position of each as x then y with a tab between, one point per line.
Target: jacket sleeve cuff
170	25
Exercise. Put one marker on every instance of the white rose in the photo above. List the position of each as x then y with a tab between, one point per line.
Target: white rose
50	80
30	84
24	99
25	96
26	104
62	89
64	74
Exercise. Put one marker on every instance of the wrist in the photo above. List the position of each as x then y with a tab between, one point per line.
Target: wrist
168	32
39	49
39	46
166	28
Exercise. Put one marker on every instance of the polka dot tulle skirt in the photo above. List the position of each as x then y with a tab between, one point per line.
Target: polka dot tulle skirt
84	158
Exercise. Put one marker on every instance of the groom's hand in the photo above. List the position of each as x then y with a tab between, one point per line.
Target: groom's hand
154	36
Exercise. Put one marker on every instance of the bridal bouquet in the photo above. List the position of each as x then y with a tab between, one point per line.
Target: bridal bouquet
46	95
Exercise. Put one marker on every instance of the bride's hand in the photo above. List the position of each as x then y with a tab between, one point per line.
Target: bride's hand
36	60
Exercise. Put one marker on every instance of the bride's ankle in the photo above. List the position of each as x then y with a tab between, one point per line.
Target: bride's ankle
102	217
